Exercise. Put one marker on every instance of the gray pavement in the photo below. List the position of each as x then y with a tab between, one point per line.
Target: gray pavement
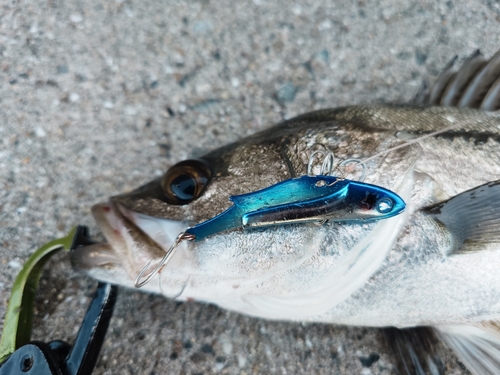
99	97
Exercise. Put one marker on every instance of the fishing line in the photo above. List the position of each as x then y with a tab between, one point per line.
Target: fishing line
413	141
405	144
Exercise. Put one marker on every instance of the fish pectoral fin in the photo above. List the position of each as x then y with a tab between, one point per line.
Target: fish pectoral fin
472	218
415	350
477	347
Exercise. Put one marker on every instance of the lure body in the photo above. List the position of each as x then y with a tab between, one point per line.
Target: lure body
304	199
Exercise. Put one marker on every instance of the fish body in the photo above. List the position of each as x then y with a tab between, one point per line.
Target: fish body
435	264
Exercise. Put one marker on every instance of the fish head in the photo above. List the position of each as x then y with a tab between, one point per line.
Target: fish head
140	226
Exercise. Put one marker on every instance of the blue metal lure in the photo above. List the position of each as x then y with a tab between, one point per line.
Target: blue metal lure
304	199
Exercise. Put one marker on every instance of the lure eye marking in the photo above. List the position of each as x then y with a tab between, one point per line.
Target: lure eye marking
385	205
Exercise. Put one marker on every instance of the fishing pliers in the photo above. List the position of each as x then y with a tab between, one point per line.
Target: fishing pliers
19	355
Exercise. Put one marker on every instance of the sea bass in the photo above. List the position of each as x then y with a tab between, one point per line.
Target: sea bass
436	264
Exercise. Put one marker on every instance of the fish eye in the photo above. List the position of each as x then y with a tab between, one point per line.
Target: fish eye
185	181
384	205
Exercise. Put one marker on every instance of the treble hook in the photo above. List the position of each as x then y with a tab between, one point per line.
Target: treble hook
139	282
326	166
173	296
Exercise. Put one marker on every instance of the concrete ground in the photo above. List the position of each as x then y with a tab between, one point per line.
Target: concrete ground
99	97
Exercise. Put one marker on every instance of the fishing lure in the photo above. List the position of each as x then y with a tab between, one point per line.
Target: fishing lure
303	199
20	355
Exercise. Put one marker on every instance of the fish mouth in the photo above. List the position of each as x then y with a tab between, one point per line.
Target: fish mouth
133	240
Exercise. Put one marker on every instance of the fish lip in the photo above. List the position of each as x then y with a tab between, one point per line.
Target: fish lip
98	255
118	241
133	239
163	232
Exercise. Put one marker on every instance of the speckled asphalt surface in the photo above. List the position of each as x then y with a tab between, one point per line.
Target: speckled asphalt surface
99	97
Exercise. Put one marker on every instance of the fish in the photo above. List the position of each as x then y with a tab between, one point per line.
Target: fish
428	273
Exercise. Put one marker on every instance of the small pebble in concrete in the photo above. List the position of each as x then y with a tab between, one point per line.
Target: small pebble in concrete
370	360
286	93
62	69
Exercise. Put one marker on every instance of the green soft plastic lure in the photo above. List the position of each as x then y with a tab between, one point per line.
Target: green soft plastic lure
18	318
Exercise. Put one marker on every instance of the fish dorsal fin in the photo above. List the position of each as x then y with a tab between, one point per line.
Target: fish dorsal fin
477	347
415	350
456	87
442	82
472	218
475	85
